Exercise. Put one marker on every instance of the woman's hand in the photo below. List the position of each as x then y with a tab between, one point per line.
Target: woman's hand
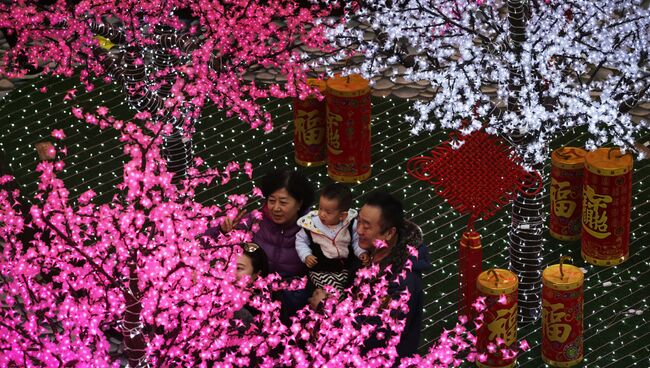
311	261
227	225
316	298
364	258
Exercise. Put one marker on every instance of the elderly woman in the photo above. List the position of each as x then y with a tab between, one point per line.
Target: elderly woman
288	195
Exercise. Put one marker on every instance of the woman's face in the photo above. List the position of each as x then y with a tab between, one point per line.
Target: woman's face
283	208
244	267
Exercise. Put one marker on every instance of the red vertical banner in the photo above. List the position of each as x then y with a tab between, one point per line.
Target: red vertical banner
567	164
348	129
606	207
562	315
497	336
309	137
469	267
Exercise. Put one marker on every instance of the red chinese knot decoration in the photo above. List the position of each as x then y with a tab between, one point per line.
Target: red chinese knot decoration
479	177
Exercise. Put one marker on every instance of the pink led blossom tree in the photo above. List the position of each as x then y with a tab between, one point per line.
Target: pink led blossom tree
170	57
139	267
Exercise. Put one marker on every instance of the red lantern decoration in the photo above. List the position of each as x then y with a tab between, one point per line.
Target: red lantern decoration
606	207
497	336
309	116
562	315
348	129
567	164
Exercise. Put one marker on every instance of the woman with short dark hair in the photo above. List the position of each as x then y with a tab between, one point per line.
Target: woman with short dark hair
288	195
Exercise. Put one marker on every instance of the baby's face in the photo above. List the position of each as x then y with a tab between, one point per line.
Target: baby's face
329	213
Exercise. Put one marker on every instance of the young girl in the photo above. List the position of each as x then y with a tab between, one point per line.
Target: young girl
253	263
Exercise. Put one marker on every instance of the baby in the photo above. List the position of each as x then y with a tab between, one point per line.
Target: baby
328	236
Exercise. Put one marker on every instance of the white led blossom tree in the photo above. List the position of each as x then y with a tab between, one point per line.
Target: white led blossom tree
526	70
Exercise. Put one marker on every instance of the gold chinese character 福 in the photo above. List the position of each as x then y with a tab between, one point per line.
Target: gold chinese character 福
504	326
309	128
333	137
594	220
560	192
553	314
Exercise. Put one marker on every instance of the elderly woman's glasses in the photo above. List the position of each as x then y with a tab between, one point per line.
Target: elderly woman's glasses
250	247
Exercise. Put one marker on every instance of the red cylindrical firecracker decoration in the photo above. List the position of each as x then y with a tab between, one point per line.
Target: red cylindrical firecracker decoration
567	164
348	129
562	315
606	207
310	120
500	289
469	267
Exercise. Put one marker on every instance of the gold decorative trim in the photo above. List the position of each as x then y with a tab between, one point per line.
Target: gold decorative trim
356	93
309	163
608	172
349	179
564	166
561	364
604	262
500	291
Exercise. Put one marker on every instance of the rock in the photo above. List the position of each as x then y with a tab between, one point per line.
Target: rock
6	85
383	84
406	92
381	93
402	81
